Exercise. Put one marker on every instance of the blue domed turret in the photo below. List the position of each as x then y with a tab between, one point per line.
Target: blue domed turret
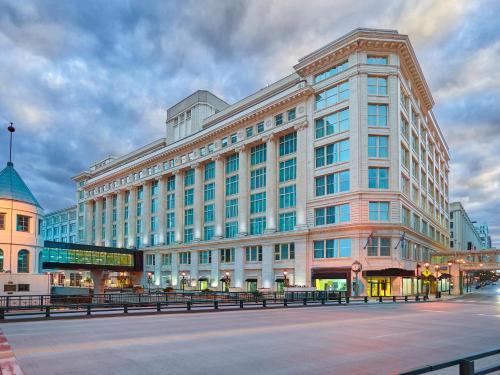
13	187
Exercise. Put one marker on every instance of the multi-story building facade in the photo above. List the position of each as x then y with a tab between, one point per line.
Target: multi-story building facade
484	234
338	163
463	234
61	225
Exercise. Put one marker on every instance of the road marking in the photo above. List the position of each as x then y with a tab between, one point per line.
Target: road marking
438	311
394	334
8	363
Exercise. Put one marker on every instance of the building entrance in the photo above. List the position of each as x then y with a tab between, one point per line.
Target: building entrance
379	286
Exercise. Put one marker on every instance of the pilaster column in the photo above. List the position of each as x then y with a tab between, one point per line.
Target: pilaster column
271	187
162	210
109	219
146	212
98	221
219	197
301	185
243	191
214	282
197	203
179	206
300	271
88	221
238	267
119	218
175	270
157	275
267	266
132	216
193	271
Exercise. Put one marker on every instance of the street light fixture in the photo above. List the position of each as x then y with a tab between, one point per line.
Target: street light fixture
436	267
183	280
227	280
285	278
150	279
449	278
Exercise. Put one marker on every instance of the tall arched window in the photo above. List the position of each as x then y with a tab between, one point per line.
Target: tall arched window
23	258
1	260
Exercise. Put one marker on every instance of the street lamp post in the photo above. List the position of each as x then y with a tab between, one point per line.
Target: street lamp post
227	280
449	278
150	277
418	279
183	280
285	278
460	276
436	267
356	267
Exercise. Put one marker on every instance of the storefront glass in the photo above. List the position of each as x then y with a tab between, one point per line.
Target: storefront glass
379	286
333	285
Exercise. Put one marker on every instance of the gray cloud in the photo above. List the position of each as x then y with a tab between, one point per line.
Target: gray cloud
86	79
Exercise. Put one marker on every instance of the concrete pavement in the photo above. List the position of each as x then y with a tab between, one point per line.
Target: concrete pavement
367	339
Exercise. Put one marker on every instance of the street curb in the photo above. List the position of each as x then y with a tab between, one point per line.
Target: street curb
8	361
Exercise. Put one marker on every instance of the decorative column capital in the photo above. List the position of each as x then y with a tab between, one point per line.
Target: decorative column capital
216	157
195	165
240	148
301	126
269	138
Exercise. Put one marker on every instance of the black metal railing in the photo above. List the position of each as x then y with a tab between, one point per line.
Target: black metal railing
48	305
466	365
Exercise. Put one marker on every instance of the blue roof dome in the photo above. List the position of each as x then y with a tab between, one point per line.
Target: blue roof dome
13	187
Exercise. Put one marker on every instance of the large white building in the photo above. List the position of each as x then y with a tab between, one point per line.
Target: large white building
341	161
463	233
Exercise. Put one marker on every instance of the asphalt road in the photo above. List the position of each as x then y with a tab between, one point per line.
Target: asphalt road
370	339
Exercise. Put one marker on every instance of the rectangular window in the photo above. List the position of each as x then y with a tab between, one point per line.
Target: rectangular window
378	178
290	114
227	255
287	221
258	202
154	190
170	220
332	183
288	144
154	207
189	177
232	185
332	248
258	178
232	163
249	131
278	119
333	153
231	208
209	170
188	216
150	259
287	196
166	259
377	115
332	214
257	225
378	146
208	232
23	223
260	127
170	201
171	183
208	213
253	254
209	192
284	251
231	229
332	124
188	197
405	128
154	225
379	246
332	96
258	154
331	72
377	86
288	170
188	235
185	257
376	60
205	257
140	193
379	211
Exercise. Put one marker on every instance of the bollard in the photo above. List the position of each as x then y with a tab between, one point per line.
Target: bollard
417	298
380	299
125	309
188	305
340	299
366	299
426	297
393	298
285	302
322	301
47	311
158	306
304	301
264	303
2	314
466	367
241	303
347	299
406	298
216	305
88	310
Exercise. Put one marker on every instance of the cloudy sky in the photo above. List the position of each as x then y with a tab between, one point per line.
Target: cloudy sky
84	79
